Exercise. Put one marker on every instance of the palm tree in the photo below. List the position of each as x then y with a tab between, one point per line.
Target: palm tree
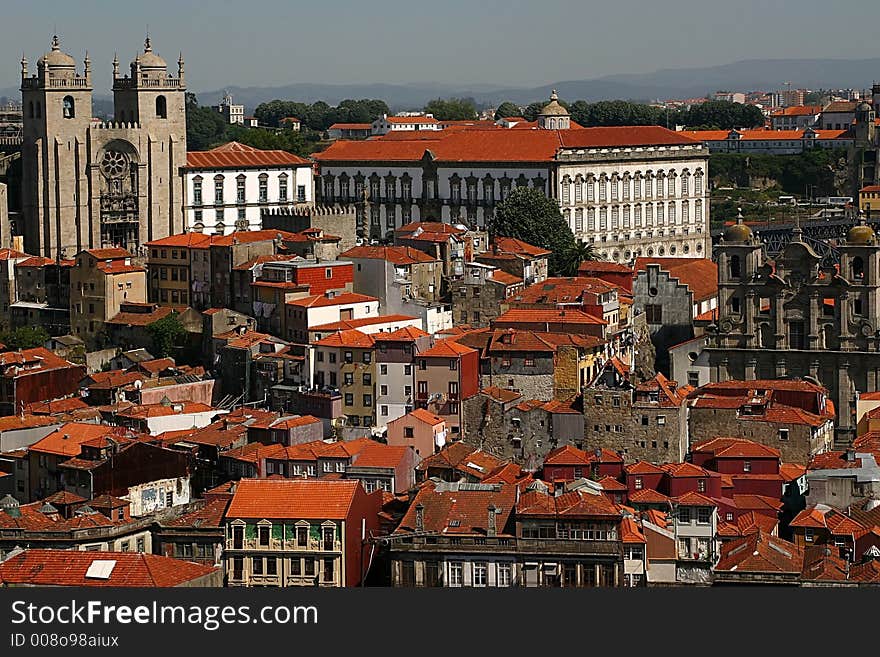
571	260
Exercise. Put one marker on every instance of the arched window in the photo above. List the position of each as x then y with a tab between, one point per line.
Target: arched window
68	107
161	107
734	266
858	268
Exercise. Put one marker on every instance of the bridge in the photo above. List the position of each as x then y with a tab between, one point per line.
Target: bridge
822	234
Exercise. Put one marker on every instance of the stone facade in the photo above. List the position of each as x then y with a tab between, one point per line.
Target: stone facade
480	297
88	184
796	317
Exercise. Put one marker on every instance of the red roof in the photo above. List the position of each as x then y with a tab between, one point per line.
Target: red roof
760	553
39	261
446	349
310	499
694	499
459	511
735	448
422	415
797	110
250	236
240	156
71	568
700	275
642	468
109	254
378	455
398	255
601	266
517	247
67	439
647	496
185	240
569	316
504	278
464	458
322	300
351	126
407	334
349	338
870	188
492	145
141	319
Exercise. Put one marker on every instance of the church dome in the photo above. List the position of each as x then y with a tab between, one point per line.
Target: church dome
553	108
150	60
56	58
861	234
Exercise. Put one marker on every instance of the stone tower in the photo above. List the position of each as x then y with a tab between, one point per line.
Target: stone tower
89	184
57	111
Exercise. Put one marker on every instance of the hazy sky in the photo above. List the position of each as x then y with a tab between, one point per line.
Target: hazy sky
510	42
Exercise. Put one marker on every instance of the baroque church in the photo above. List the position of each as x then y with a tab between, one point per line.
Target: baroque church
793	317
87	183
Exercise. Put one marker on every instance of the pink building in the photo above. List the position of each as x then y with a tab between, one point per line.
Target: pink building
419	429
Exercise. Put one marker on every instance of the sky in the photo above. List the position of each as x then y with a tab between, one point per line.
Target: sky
507	43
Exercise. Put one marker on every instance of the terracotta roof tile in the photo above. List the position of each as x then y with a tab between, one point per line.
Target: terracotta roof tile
700	275
349	338
398	255
294	499
760	552
240	156
70	568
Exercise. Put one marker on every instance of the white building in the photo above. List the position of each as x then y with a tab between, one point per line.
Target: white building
227	188
625	189
231	113
776	142
385	124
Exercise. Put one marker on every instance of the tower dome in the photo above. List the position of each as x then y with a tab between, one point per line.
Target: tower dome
861	234
739	232
553	108
56	58
150	60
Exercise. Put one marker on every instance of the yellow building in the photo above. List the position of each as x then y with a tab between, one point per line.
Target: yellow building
102	280
869	200
344	360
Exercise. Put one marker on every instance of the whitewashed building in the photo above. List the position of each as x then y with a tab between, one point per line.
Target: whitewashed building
629	190
385	124
228	188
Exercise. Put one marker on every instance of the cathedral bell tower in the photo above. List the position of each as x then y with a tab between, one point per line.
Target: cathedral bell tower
739	257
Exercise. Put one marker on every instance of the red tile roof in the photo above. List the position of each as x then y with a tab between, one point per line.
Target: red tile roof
569	316
600	266
446	349
501	394
378	455
55	406
109	254
700	275
464	458
67	439
349	338
398	255
504	278
184	240
611	484
70	568
459	511
630	532
760	552
797	110
142	319
422	415
735	448
406	334
322	300
517	247
647	496
576	503
240	156
250	236
691	498
310	499
642	467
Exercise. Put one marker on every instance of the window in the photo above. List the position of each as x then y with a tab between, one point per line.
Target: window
503	574
694	379
808	534
529	361
197	191
701	485
408	432
349	399
783	434
239	190
302	536
684	515
638	483
747	466
218	190
455	569
301	193
161	107
654	313
368	400
704	515
257	565
453	364
481	570
68	107
264	188
661	420
348	357
271	567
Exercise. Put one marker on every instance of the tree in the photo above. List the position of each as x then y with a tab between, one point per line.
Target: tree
452	109
25	337
571	259
204	127
527	214
723	115
167	334
507	110
530	113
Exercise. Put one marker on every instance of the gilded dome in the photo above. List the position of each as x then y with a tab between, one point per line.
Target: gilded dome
861	234
56	58
553	108
739	232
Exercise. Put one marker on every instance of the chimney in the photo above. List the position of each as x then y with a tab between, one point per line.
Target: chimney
420	517
491	525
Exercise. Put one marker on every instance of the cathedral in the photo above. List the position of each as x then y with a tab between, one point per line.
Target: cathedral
87	183
793	317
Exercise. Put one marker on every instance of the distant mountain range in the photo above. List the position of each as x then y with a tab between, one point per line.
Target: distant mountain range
746	75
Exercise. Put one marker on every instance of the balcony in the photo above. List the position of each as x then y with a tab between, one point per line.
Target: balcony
284	545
